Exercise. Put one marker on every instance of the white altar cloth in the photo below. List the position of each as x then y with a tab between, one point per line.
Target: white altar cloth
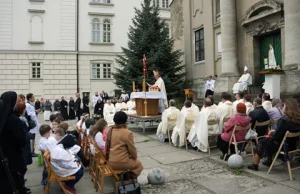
149	95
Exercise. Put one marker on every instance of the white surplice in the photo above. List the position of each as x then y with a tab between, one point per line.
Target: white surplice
210	85
109	111
194	107
200	131
235	103
95	100
267	105
242	84
168	122
131	107
203	107
184	123
224	111
30	109
162	103
120	106
249	107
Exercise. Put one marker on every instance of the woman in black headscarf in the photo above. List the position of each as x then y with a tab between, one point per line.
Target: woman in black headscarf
99	108
12	141
71	109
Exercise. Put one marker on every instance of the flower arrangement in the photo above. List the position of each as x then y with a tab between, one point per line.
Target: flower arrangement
272	70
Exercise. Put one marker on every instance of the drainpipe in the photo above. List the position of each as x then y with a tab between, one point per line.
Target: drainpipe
77	45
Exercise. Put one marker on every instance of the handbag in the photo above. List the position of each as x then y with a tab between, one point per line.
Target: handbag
128	187
251	134
31	124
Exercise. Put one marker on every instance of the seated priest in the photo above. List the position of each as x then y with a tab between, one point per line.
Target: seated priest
243	83
213	103
247	102
224	110
131	107
168	121
160	84
183	125
194	107
121	105
200	131
109	111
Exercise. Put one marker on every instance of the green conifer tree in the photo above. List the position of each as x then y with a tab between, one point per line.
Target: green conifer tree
150	36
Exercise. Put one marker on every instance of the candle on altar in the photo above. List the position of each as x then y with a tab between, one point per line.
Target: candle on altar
144	85
133	86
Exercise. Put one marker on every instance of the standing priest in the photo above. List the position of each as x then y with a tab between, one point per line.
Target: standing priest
243	83
161	85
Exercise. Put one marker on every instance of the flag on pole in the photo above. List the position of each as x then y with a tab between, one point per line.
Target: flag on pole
145	71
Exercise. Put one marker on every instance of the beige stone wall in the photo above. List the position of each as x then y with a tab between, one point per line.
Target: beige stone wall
58	74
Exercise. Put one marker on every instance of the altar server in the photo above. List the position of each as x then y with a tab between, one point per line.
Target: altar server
209	87
96	98
243	83
131	107
109	111
120	105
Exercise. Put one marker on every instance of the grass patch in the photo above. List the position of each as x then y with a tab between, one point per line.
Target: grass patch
238	171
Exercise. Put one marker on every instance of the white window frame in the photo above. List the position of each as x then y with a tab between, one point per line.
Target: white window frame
34	67
156	3
106	30
103	69
165	4
96	30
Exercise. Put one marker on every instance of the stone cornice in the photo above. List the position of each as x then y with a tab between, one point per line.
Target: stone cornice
36	0
101	4
36	11
36	42
101	14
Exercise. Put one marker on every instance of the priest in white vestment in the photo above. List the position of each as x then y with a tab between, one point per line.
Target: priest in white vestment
168	121
224	110
194	107
96	98
200	131
121	106
266	101
239	98
161	85
243	82
249	105
109	111
183	125
131	107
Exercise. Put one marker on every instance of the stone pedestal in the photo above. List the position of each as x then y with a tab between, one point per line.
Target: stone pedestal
272	85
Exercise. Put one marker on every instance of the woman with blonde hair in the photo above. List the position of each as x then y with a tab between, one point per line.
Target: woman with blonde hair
270	144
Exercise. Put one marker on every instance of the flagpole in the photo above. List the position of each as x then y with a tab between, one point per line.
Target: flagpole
144	85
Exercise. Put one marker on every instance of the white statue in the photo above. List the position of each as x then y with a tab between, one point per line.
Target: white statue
272	60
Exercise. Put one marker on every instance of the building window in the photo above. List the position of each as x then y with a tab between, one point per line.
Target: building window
219	42
36	69
165	3
199	45
96	30
106	30
36	31
155	3
101	71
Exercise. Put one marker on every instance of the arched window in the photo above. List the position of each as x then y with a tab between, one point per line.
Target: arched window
106	30
96	30
36	31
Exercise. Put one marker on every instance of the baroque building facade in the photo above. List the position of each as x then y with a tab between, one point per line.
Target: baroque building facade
56	48
220	37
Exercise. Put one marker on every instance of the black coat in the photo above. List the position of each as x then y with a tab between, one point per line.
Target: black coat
37	105
284	124
56	106
261	115
78	104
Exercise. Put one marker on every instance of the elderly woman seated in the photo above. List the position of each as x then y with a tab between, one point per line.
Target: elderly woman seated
239	119
270	144
168	121
121	153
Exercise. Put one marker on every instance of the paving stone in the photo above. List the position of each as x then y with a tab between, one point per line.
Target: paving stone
148	162
157	150
274	189
175	157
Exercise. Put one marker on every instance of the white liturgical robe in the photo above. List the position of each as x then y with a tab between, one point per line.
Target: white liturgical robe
184	123
131	107
249	107
194	107
210	85
235	103
162	103
168	122
243	83
224	111
109	111
200	131
121	106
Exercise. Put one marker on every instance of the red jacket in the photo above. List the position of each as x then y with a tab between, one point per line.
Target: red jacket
237	119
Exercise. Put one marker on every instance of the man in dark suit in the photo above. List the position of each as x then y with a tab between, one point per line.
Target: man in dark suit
78	106
259	114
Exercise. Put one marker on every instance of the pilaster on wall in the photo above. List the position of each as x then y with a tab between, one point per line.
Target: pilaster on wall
225	84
